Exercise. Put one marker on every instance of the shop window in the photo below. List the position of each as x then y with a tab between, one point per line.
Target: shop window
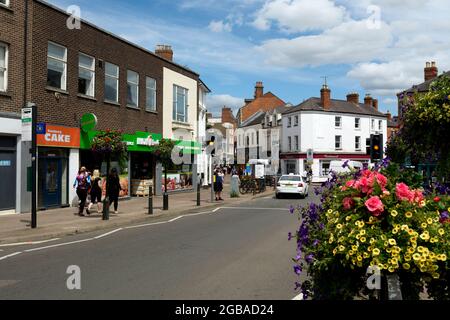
111	82
86	75
325	168
57	66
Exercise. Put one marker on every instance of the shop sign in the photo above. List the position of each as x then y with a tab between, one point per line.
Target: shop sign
190	147
5	163
58	136
27	124
88	122
149	142
141	141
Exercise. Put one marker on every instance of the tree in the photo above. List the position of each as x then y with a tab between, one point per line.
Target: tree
425	130
164	154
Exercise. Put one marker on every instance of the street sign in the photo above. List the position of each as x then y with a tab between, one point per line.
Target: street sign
310	155
27	124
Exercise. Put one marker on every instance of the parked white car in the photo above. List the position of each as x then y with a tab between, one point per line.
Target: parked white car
292	184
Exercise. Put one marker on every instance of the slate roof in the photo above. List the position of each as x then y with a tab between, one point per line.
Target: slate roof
425	86
337	106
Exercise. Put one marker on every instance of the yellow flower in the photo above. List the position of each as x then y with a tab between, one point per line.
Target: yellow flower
334	251
434	240
341	248
424	225
443	257
394	213
363	232
360	258
420	249
411	232
436	275
391	269
424	236
363	239
407	258
348	218
408	214
406	266
355	248
330	211
430	221
441	232
366	255
376	252
411	250
416	257
422	203
339	226
392	242
405	227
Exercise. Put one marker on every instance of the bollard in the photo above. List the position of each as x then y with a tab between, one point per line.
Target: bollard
106	209
150	200
165	201
198	195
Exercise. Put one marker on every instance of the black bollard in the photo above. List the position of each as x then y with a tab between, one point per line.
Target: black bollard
106	209
165	201
198	195
150	200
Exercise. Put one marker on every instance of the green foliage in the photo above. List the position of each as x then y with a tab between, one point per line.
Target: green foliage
109	142
164	151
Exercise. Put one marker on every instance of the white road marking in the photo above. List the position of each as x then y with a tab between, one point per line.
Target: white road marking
59	245
217	209
146	225
299	297
175	219
108	234
252	208
10	255
26	243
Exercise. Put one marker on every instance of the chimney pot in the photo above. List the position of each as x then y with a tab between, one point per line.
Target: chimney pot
325	96
431	71
164	51
353	97
259	89
368	100
375	104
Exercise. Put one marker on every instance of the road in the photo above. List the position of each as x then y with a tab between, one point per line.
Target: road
234	253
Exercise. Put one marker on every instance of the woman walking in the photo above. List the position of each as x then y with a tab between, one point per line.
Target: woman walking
96	190
82	184
218	185
113	189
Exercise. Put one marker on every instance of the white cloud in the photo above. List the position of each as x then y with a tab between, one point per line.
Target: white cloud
215	103
220	26
299	15
350	42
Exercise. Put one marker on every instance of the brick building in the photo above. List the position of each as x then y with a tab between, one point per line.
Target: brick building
261	102
73	72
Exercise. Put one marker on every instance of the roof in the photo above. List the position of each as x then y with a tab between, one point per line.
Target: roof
267	102
424	86
254	120
337	106
204	85
51	6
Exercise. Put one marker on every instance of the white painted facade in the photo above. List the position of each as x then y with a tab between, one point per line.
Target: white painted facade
317	130
174	129
203	160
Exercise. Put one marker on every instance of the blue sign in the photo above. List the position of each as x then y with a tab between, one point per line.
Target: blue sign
5	163
41	128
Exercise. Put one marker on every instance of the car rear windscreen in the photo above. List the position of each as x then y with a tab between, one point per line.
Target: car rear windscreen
296	179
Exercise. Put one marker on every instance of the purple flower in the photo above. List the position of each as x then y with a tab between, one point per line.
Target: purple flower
289	236
298	285
317	191
309	258
345	165
292	210
444	215
298	270
316	243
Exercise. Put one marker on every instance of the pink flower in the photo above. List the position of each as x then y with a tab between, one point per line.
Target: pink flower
375	206
382	180
348	203
366	184
404	193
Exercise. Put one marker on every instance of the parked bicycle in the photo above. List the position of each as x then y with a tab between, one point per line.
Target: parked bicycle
250	185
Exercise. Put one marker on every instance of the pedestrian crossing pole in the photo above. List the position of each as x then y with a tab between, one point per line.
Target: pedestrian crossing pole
33	166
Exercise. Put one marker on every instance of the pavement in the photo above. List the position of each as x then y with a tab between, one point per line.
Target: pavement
58	223
237	251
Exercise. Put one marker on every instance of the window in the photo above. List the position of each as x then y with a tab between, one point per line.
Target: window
289	122
150	104
338	142
289	143
57	66
132	89
296	121
338	122
4	3
358	123
296	144
111	82
86	75
380	125
373	124
180	105
325	168
3	67
358	143
253	139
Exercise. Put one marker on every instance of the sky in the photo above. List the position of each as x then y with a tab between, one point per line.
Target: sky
376	47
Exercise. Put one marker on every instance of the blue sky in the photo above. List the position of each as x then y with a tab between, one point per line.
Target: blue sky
368	46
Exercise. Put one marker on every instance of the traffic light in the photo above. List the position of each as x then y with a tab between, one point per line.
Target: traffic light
210	144
376	147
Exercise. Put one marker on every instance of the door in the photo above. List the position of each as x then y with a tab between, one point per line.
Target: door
51	182
8	175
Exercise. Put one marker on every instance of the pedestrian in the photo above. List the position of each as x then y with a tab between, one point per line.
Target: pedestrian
218	184
96	190
113	189
82	184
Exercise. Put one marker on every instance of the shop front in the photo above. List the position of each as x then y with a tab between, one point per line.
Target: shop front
58	146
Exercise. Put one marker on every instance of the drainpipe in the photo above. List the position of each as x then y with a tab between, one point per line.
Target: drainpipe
25	59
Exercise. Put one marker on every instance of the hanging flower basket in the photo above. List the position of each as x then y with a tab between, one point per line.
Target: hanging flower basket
109	142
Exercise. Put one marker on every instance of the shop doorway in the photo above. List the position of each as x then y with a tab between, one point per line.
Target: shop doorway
50	182
8	175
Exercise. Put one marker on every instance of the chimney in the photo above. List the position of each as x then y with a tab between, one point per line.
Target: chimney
227	115
431	71
259	90
353	97
325	97
375	104
368	100
389	115
164	51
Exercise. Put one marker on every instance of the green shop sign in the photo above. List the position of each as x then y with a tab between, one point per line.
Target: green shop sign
88	122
